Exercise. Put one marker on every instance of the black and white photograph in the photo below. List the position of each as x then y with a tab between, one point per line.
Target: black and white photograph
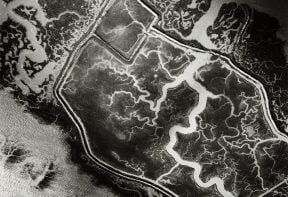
143	98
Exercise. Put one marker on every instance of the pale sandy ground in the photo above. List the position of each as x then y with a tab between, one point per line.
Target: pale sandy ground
45	143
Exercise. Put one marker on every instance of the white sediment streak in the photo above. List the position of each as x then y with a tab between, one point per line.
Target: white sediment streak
38	54
189	77
199	32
